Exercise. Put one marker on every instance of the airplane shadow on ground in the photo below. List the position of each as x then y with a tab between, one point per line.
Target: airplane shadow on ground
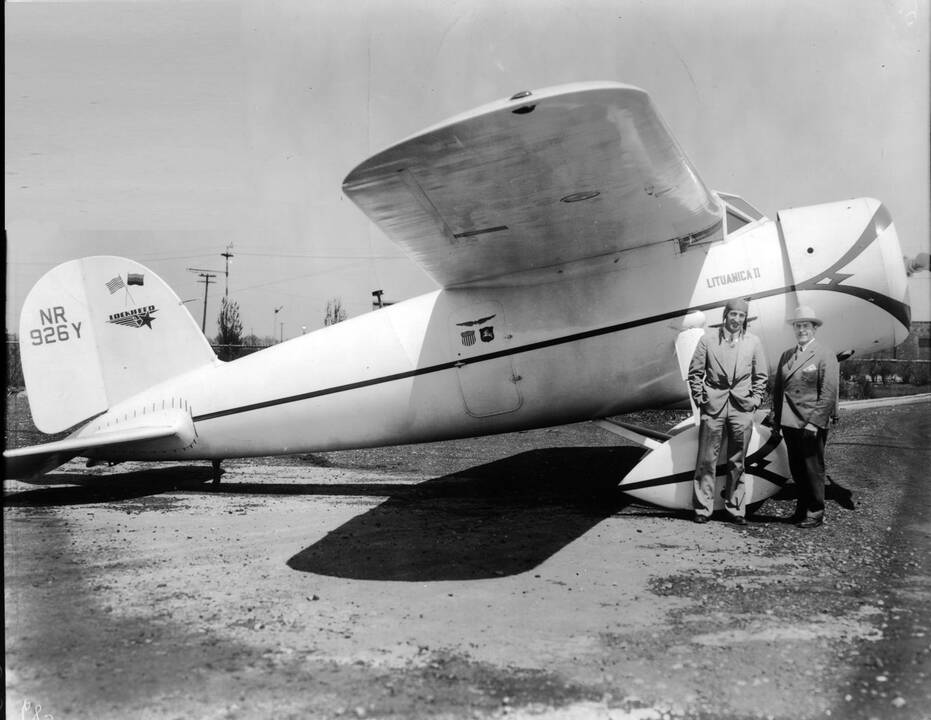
81	489
496	519
62	489
501	518
492	520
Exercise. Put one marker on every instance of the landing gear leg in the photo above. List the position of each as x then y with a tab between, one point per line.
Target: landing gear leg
216	471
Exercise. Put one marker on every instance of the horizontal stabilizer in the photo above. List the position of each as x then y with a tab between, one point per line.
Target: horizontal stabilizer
169	429
23	466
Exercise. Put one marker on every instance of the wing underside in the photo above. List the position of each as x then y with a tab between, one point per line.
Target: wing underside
556	177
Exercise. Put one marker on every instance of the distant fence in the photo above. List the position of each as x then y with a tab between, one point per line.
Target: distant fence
14	368
864	378
234	352
887	371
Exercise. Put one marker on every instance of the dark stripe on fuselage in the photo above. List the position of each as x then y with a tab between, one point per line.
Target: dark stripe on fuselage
452	364
897	309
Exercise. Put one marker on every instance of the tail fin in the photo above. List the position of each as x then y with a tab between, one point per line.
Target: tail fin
97	330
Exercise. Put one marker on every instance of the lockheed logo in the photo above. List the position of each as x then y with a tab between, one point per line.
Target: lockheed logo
135	318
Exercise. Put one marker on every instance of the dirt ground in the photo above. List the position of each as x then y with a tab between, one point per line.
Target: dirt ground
488	578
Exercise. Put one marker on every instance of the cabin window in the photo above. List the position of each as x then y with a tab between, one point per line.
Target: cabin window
739	206
735	221
738	213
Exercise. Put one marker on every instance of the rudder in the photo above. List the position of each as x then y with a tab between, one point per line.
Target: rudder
97	330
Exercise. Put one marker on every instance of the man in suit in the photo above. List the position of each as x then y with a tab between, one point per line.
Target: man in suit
727	379
804	401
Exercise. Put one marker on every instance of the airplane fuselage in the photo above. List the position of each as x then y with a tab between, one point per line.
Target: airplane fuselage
556	345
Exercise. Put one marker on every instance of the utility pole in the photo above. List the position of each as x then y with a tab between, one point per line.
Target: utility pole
228	254
206	275
206	281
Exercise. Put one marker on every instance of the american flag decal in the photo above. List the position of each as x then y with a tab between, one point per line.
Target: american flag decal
468	338
115	284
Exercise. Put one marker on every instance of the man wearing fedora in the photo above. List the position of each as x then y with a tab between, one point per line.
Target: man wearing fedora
804	401
727	380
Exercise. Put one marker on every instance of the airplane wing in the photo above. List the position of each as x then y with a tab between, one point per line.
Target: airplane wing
535	182
170	428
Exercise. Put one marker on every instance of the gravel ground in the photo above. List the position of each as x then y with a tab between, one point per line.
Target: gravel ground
496	577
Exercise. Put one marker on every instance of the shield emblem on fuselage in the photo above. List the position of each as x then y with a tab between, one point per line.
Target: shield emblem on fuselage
487	379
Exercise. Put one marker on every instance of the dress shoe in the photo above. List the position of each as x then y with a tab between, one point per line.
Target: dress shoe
737	520
700	518
809	523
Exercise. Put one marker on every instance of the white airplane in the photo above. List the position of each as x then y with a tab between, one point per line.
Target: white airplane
578	252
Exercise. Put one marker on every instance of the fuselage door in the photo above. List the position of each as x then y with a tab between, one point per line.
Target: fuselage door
488	381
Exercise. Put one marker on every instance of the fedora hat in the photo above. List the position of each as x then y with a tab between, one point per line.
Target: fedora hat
805	313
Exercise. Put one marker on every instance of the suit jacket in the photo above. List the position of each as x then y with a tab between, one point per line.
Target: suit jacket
713	381
805	389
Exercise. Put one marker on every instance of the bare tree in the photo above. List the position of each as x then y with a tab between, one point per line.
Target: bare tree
335	312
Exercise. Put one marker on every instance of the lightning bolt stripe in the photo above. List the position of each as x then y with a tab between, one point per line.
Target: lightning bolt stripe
880	221
754	464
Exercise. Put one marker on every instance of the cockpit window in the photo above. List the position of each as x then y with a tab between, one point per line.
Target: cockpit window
739	206
738	212
734	221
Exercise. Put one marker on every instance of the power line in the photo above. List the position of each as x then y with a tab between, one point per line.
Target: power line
315	256
296	277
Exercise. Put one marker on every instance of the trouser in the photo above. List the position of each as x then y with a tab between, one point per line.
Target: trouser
806	463
736	426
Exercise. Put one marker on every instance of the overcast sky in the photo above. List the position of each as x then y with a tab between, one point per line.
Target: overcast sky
166	131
